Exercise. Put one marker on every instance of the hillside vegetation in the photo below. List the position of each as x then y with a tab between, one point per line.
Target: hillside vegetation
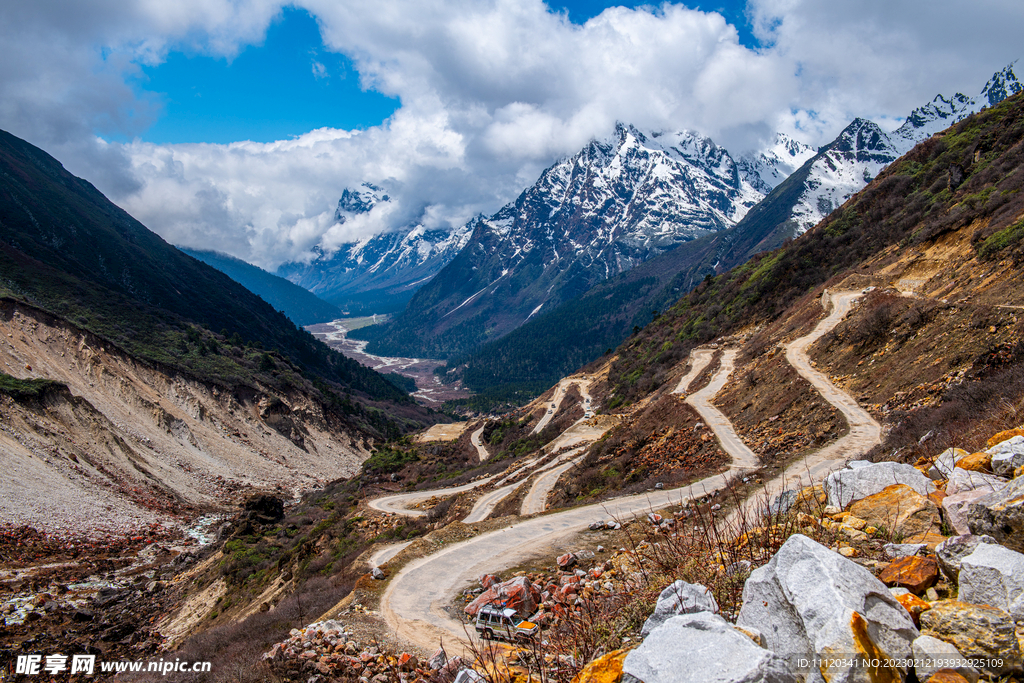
301	306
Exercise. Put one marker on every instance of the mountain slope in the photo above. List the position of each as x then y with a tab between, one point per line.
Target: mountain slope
65	249
958	193
615	204
378	274
301	306
863	149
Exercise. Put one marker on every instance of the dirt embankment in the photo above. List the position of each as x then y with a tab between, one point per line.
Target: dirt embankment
128	444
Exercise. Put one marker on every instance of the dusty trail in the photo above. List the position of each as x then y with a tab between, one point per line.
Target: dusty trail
699	359
413	604
581	432
481	450
399	503
865	433
536	500
387	552
742	457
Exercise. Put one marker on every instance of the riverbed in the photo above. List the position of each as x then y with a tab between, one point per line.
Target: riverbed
429	390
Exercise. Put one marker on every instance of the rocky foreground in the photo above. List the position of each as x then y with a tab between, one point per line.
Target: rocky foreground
890	572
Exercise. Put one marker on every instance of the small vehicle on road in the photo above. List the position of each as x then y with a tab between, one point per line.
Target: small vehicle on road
495	621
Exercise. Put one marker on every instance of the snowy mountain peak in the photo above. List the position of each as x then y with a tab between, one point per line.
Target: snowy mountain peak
1003	84
766	169
358	201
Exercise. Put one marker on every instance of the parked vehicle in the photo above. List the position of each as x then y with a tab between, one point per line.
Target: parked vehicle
495	621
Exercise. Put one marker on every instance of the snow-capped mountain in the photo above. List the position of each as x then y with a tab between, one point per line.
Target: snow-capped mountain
768	168
381	272
848	163
616	203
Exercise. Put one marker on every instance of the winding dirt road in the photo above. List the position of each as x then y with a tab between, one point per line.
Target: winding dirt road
481	450
414	602
742	457
865	433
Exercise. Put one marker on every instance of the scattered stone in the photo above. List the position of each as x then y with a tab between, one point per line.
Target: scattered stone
847	551
994	575
947	676
810	601
1000	514
932	654
914	605
950	552
680	598
848	485
468	676
565	561
377	573
597	526
976	631
900	509
956	508
437	660
897	550
976	462
659	486
962	480
703	648
916	574
783	502
488	580
1005	435
1007	455
945	462
605	669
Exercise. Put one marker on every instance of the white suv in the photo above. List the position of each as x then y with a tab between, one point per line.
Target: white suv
494	621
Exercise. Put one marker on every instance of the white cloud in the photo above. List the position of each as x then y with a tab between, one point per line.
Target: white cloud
492	91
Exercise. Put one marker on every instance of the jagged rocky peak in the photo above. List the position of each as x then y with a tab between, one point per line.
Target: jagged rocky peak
1003	84
941	113
361	200
767	168
863	141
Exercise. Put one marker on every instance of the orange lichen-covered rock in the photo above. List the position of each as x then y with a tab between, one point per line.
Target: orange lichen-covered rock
916	574
914	605
976	462
947	676
898	508
1003	436
604	669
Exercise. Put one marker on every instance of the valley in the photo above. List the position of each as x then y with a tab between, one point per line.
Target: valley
429	388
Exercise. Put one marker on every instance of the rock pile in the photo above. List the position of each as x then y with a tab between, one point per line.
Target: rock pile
809	611
326	649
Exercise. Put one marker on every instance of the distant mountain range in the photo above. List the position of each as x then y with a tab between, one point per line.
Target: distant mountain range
378	274
615	204
567	336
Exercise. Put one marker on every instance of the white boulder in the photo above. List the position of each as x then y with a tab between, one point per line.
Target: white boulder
809	601
680	598
703	648
849	485
1007	455
961	481
945	462
994	575
951	552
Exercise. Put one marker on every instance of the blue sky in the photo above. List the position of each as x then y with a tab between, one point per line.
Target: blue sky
482	96
291	83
